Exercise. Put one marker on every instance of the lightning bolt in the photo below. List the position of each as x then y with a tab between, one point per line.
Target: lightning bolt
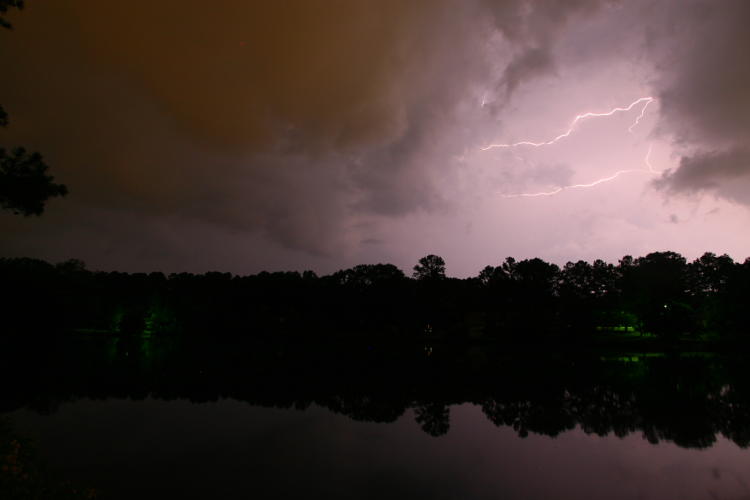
576	120
649	100
646	160
646	101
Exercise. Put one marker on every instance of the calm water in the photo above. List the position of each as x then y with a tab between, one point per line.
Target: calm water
151	421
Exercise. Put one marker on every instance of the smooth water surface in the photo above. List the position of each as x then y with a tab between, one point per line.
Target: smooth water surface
351	424
228	449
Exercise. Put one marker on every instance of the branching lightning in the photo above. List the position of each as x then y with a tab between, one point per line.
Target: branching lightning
638	119
578	118
650	169
646	160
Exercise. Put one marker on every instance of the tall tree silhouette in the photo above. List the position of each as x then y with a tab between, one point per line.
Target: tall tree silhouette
430	267
24	184
655	288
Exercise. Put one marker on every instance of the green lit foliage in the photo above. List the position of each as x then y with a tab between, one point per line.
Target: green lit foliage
159	320
117	320
620	321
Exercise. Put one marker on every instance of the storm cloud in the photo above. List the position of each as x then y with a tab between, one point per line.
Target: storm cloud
703	77
290	118
314	126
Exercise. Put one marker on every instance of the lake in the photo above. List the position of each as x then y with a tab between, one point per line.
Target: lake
150	418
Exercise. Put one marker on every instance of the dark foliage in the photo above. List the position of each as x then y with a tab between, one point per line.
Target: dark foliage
527	301
430	267
4	6
24	184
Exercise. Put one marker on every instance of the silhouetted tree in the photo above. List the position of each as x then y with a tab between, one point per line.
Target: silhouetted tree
710	274
433	418
4	6
430	267
577	293
533	291
709	279
24	184
365	275
588	295
492	276
536	276
655	288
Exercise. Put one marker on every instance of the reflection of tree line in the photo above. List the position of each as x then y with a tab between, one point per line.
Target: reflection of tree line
688	401
525	300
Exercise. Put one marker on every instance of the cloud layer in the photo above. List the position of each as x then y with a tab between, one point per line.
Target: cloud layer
703	82
314	124
291	118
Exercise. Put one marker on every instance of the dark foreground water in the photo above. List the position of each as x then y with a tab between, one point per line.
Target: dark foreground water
143	420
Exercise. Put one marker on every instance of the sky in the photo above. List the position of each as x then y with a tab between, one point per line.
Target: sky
243	136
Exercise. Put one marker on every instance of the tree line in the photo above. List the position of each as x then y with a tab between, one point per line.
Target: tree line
660	294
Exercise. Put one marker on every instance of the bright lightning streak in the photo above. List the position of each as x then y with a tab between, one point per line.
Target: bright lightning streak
647	161
612	177
575	186
640	116
578	118
647	100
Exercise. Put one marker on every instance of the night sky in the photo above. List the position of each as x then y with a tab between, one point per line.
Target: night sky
242	136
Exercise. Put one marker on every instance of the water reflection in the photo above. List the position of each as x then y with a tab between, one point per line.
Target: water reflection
156	449
687	399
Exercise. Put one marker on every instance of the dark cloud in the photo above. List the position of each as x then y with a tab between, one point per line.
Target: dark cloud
700	48
726	172
532	63
291	119
533	26
252	115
